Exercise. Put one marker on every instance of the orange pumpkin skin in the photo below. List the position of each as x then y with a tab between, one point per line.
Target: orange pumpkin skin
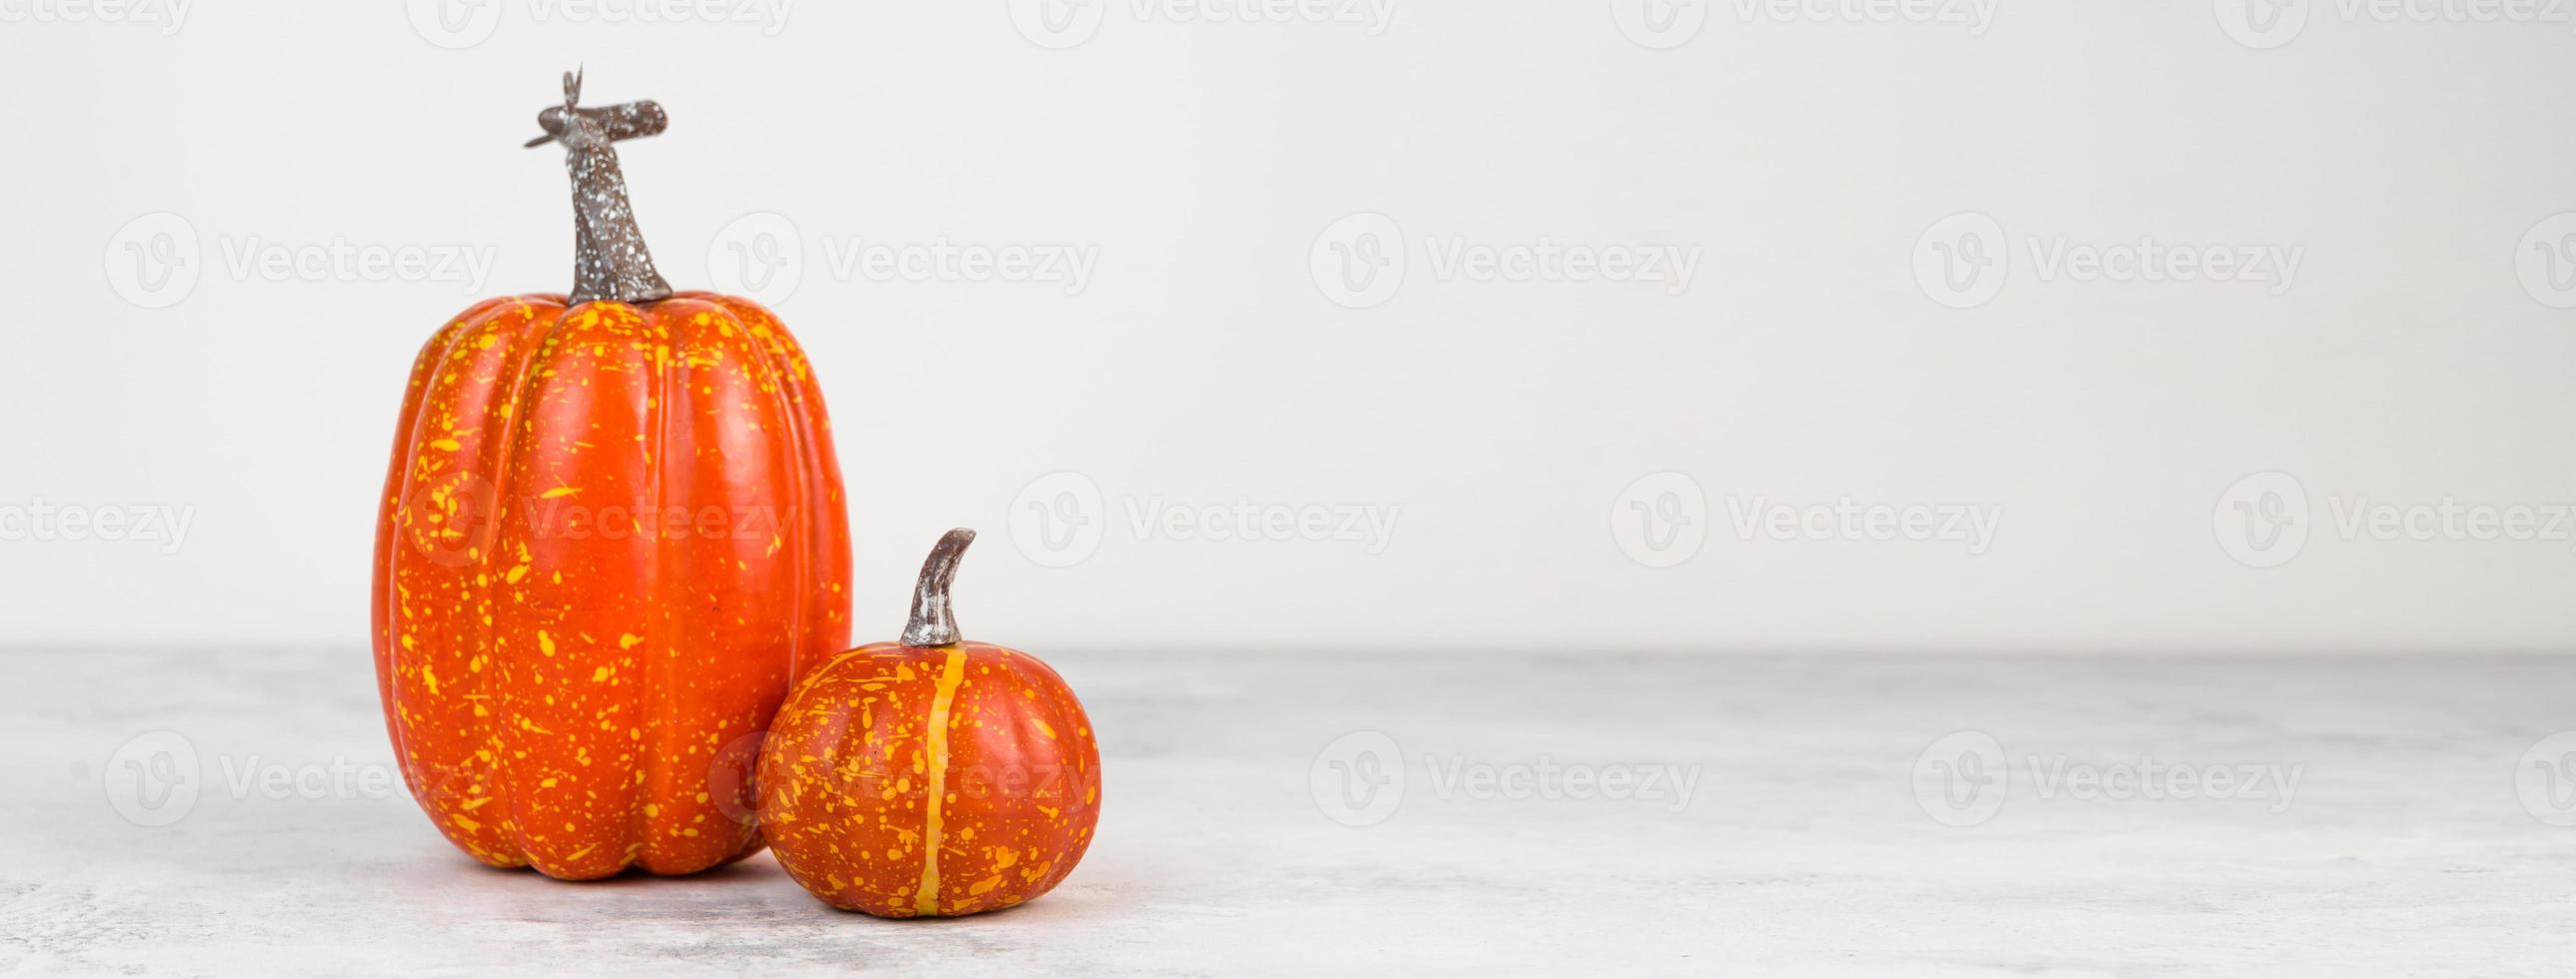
612	537
909	781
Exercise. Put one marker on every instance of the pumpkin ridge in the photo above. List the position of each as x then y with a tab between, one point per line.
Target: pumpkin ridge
559	688
545	319
544	316
824	560
384	613
800	440
800	563
731	335
437	629
657	659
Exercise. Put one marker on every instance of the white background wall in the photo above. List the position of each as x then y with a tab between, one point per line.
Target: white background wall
2422	171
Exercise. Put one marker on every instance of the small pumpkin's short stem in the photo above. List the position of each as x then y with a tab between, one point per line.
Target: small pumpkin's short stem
609	258
933	623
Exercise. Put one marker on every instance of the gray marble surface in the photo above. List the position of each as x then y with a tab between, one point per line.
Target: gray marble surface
1268	814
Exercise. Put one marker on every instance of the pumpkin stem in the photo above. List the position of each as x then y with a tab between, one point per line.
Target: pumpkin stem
933	623
609	260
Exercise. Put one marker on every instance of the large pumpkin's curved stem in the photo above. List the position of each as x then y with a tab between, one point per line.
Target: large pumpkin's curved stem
933	623
609	259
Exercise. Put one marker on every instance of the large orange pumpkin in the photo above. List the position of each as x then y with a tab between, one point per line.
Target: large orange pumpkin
612	536
930	776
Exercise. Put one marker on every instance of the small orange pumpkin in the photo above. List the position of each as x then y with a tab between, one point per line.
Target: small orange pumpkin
931	776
